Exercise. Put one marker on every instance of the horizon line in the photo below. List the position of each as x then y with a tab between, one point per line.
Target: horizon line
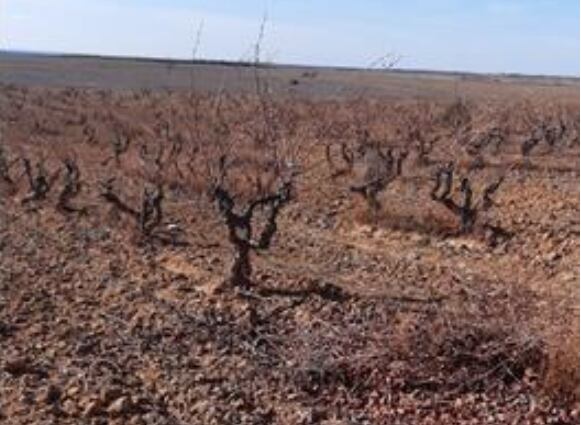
266	64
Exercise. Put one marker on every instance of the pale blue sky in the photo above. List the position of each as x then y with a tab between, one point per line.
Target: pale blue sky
526	36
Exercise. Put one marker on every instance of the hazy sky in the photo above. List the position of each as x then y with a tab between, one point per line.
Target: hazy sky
527	36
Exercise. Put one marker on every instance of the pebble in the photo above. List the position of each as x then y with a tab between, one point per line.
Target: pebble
119	407
92	408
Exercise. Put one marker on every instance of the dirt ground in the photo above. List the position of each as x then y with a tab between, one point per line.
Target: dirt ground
352	318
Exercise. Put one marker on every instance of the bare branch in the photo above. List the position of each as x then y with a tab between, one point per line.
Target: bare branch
111	197
5	166
120	143
240	228
381	168
490	190
40	183
466	209
71	188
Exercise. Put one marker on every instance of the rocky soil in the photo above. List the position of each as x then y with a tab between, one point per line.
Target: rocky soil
350	321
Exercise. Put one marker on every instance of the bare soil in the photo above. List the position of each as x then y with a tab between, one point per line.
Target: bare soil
352	319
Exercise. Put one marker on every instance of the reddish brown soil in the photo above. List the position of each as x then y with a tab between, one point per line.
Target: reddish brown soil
396	320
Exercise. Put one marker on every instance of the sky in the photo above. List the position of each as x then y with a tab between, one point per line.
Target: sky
521	36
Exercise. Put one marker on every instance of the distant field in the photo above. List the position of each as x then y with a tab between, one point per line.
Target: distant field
135	73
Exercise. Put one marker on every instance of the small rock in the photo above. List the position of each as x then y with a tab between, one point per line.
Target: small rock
73	391
70	408
419	239
119	407
367	230
92	408
552	256
500	249
412	257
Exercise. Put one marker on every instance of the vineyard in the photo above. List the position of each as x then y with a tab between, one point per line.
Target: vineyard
178	257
